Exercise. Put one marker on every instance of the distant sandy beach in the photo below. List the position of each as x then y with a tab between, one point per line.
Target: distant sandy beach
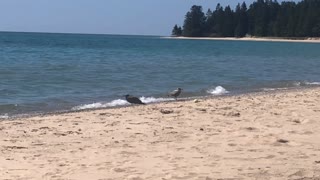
254	136
307	40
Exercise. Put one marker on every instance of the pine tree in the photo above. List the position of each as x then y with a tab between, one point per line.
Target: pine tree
241	28
209	23
218	16
262	18
228	24
194	23
176	31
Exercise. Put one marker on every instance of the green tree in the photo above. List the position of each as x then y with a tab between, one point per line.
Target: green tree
194	23
312	17
301	11
209	23
176	31
262	18
228	24
241	17
218	16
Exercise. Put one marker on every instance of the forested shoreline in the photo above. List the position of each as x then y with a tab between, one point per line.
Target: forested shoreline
263	18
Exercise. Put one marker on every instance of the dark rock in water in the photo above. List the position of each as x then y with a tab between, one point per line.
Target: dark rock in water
175	93
133	100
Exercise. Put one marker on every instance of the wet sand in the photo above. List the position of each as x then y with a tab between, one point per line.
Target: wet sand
254	136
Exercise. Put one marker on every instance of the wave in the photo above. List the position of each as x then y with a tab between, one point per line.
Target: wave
312	83
219	90
290	85
120	102
4	116
117	102
297	84
305	83
273	89
154	100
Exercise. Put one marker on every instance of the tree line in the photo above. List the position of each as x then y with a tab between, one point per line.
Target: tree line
263	18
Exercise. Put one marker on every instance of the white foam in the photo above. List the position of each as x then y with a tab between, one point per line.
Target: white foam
4	116
312	83
87	106
153	100
273	89
219	90
119	102
269	89
297	84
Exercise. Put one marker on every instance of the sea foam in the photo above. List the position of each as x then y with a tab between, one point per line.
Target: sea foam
119	102
4	116
219	90
273	89
153	99
312	83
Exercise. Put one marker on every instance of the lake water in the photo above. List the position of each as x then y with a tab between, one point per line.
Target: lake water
41	72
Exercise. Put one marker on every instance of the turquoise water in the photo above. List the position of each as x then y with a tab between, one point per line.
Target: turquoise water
42	72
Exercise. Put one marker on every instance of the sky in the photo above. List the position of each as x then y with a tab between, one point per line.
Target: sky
131	17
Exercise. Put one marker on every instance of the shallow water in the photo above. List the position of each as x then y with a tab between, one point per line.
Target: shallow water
42	72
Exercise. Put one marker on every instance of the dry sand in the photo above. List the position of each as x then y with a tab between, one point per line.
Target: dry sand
255	136
307	40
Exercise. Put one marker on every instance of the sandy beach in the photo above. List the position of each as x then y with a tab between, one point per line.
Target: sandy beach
254	136
307	40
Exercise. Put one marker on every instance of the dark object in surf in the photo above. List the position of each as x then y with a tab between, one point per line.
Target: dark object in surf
175	93
133	100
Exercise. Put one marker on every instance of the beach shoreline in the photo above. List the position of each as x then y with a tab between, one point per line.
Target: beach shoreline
266	39
265	135
204	97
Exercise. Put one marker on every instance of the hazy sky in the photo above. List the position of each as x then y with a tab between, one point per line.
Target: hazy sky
145	17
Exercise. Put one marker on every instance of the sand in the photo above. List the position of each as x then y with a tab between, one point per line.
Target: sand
254	136
307	40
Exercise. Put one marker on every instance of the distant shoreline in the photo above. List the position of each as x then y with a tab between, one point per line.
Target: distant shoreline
307	40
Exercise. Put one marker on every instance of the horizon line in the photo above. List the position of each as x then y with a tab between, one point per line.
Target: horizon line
79	33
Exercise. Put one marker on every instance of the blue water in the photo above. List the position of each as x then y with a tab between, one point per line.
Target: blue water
42	72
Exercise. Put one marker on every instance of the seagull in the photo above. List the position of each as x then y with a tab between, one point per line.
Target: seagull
133	100
175	93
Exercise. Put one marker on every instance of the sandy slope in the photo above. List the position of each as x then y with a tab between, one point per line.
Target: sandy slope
264	136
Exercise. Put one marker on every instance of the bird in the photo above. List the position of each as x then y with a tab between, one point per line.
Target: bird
133	100
175	93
